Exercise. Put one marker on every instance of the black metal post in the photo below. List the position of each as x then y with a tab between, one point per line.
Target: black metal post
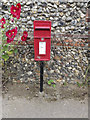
41	75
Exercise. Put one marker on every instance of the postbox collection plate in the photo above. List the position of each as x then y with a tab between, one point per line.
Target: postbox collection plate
42	48
42	40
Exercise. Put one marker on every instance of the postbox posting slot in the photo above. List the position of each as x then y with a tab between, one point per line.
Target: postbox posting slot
42	37
42	31
42	28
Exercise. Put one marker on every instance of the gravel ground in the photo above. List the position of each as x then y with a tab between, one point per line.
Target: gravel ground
25	101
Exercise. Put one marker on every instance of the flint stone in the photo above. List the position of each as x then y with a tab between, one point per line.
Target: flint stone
44	4
28	17
79	4
74	22
1	4
25	15
1	13
46	15
26	9
47	10
7	16
61	23
52	10
31	5
29	22
52	71
84	10
67	14
55	6
29	73
49	4
40	10
4	7
61	13
32	18
55	24
6	12
56	18
39	4
24	20
64	18
71	1
64	6
28	3
68	19
60	10
51	18
81	14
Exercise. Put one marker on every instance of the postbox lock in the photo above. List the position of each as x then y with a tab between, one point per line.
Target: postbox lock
42	38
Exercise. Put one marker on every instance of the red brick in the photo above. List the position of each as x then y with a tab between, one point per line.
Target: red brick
70	40
76	44
89	45
66	40
88	32
71	44
82	45
59	44
69	47
87	19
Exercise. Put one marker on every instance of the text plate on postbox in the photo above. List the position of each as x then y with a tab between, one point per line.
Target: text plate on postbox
42	48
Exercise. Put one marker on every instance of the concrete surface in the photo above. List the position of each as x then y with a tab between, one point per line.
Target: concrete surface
39	108
0	107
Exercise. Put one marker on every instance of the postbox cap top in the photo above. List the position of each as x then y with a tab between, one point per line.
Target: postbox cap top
42	21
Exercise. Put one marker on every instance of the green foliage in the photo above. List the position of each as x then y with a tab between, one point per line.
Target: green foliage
85	83
3	37
10	52
51	83
65	83
82	84
6	49
54	85
15	50
5	57
86	73
78	84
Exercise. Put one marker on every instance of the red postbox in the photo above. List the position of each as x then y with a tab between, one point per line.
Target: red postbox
42	40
